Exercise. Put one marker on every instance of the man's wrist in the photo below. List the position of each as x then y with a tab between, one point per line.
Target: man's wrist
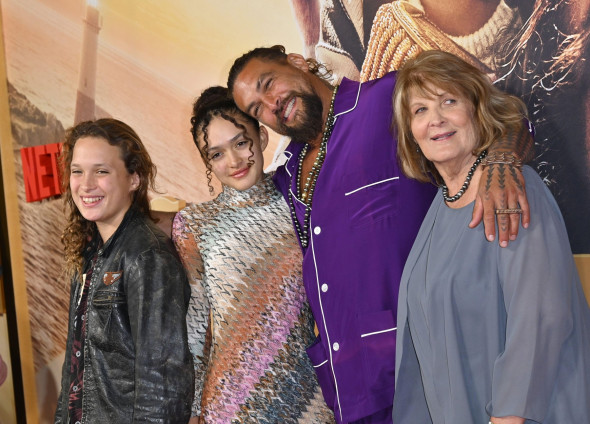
501	158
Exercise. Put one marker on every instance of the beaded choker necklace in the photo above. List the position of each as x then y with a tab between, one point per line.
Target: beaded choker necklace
305	193
445	189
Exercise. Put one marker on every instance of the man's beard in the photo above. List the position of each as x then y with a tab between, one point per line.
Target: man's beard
311	123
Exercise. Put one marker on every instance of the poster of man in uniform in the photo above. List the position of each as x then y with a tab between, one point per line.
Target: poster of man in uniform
537	50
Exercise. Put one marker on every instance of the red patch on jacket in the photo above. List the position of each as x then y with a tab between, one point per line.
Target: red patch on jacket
110	277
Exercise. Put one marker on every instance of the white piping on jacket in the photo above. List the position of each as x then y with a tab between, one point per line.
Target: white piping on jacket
319	365
378	332
317	279
358	95
372	184
289	155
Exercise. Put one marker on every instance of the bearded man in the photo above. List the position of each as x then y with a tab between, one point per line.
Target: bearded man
356	214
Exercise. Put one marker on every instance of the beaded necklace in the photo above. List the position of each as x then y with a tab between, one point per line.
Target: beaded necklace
305	193
445	189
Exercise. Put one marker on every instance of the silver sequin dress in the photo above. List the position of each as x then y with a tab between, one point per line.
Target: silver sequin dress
248	320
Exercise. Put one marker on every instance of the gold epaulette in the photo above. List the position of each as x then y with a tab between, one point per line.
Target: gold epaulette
400	32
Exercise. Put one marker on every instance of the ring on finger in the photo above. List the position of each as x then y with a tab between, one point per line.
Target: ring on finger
509	210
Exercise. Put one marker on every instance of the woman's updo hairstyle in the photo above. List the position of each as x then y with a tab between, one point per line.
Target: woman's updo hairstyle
215	102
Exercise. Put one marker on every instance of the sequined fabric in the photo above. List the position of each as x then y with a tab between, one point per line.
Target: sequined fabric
248	320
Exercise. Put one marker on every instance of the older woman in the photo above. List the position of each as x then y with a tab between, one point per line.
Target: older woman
485	334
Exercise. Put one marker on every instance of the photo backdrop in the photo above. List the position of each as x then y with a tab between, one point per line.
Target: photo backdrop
144	62
152	58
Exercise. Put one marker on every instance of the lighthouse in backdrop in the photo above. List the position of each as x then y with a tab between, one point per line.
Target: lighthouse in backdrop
85	99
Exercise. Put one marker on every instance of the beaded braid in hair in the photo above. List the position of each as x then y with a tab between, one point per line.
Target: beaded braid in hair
319	69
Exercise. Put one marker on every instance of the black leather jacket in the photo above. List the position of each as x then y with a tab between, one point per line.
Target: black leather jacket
137	364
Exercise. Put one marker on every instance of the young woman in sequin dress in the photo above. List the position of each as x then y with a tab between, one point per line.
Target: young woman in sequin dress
248	321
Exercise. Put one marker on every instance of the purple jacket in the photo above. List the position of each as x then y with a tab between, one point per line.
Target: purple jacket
365	217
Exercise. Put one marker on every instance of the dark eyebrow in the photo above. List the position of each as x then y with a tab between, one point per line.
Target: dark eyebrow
231	140
96	165
238	136
261	78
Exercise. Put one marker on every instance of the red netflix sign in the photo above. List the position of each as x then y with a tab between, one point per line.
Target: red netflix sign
40	171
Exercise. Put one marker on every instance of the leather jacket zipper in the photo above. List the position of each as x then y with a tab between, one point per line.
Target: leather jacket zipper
86	359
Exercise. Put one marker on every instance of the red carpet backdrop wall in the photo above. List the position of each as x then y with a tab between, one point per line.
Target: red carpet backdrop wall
144	61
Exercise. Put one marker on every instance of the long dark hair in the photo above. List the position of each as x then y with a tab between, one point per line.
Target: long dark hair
277	54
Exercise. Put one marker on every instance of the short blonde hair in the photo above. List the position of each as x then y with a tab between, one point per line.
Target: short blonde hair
495	112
